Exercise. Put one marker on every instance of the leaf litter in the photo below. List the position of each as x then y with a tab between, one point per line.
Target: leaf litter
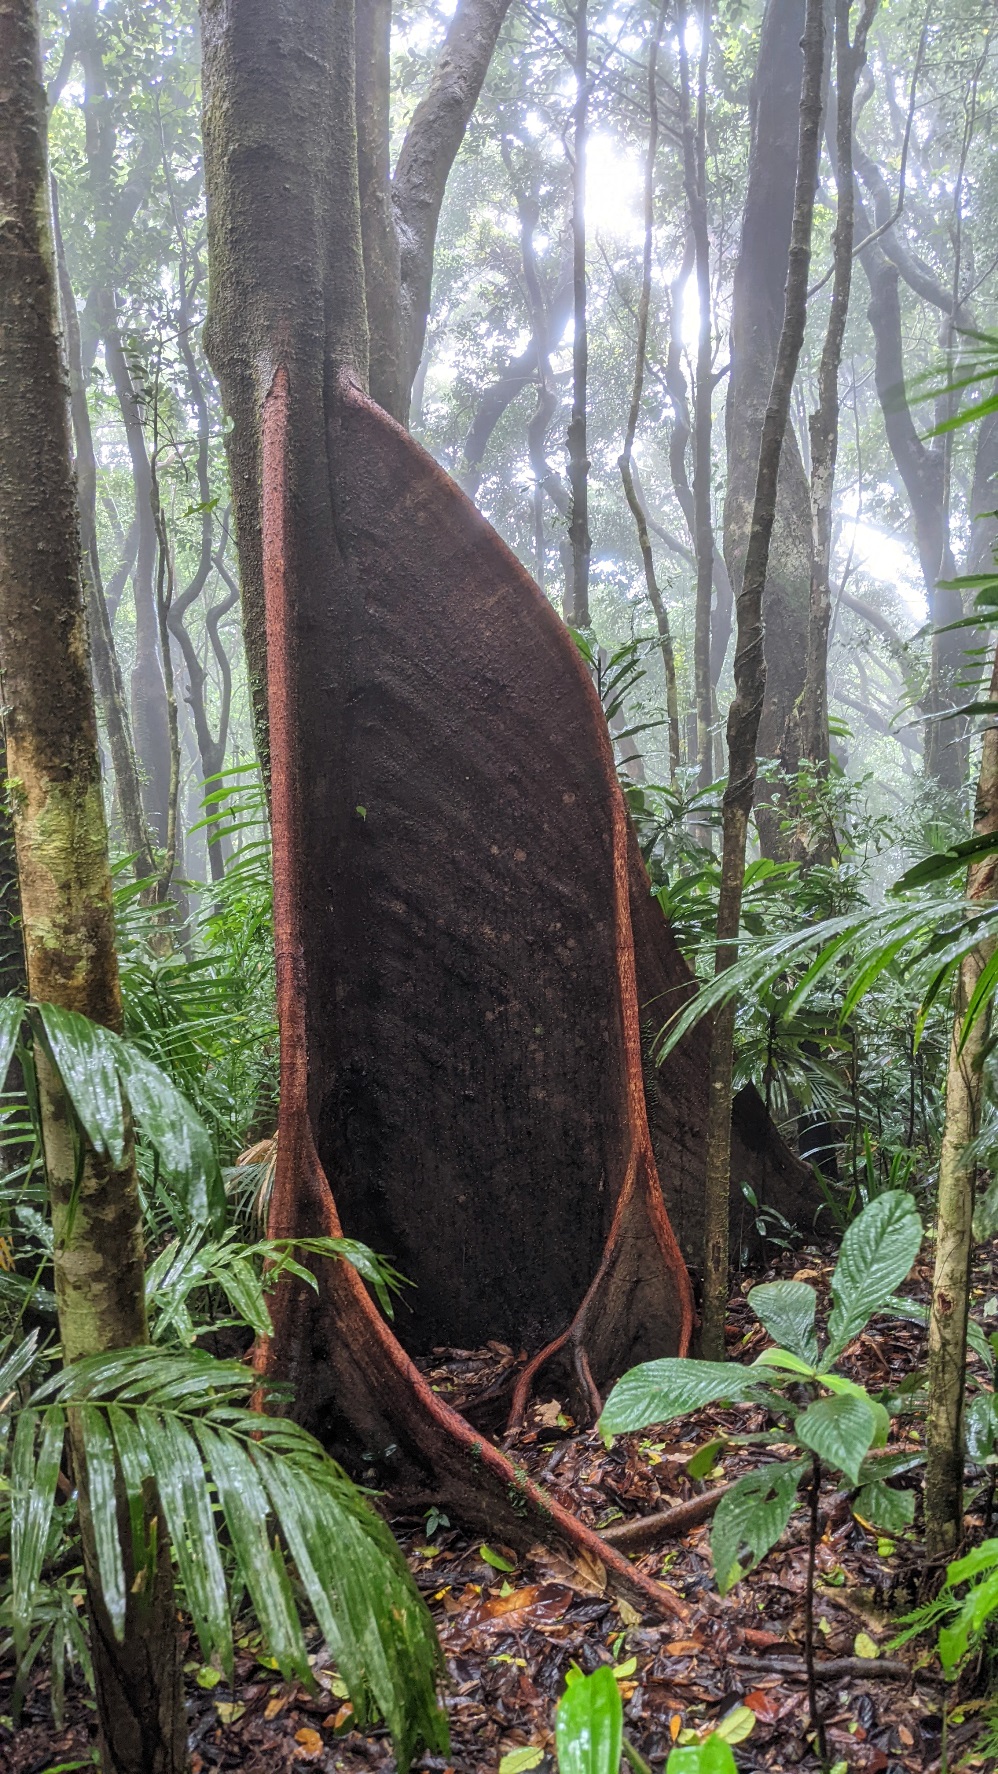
511	1627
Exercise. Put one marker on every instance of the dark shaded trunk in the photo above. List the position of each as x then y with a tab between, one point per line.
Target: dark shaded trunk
756	320
746	713
65	880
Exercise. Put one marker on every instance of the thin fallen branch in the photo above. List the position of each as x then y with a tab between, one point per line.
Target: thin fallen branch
665	1524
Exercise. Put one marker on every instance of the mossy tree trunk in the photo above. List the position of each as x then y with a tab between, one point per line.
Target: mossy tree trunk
955	1213
61	841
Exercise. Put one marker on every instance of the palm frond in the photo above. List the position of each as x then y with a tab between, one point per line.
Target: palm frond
180	1422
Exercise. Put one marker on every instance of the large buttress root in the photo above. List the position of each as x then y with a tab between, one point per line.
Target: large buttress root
388	877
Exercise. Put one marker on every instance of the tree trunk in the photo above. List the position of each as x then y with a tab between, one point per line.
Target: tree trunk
65	879
107	670
655	597
577	606
824	423
955	1213
745	714
756	320
460	1039
400	213
695	182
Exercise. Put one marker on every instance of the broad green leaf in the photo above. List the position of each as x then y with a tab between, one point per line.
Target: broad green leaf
657	1391
713	1756
884	1507
11	1017
103	1510
877	1253
495	1559
752	1516
589	1725
784	1362
32	1499
178	1136
786	1309
85	1057
705	1458
736	1725
839	1430
519	1761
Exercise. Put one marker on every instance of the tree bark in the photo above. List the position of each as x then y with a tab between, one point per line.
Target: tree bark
107	669
400	215
577	605
61	839
467	1069
824	422
655	597
746	712
955	1212
756	320
695	182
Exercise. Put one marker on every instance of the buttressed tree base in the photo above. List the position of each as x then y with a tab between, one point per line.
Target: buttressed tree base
456	885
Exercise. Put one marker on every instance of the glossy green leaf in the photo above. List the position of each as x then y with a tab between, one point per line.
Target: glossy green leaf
246	1507
85	1057
589	1725
946	862
713	1756
884	1507
877	1253
32	1500
839	1430
101	1493
182	1485
657	1391
178	1136
786	1309
12	1011
750	1519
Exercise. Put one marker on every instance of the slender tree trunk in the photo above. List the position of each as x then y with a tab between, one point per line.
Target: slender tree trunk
750	684
61	839
955	1213
577	613
655	597
107	670
150	719
756	318
695	180
824	422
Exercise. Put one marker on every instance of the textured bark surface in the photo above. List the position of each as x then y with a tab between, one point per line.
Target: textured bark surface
756	319
54	772
944	1472
476	1095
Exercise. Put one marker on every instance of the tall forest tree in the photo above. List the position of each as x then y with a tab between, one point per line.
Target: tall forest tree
65	883
526	1136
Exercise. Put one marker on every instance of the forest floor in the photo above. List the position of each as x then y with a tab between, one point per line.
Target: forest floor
509	1636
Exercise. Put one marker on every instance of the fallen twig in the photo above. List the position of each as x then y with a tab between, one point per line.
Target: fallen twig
635	1536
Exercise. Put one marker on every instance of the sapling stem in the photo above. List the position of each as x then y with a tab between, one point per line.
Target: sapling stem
812	1548
635	1759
